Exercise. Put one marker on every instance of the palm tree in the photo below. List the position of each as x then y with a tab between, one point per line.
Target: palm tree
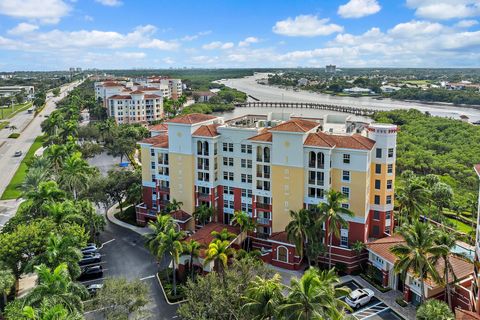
223	235
472	205
448	241
75	174
333	218
48	312
418	254
262	297
56	287
315	296
192	248
50	126
161	225
64	212
412	197
246	224
33	178
219	251
7	281
297	229
46	193
58	250
182	100
93	222
173	205
56	154
203	214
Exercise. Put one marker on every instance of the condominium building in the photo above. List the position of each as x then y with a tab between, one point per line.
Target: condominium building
11	91
268	165
476	270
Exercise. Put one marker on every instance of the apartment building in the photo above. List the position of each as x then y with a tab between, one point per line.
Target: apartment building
267	165
476	270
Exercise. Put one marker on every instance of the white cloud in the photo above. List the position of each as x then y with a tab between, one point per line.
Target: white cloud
248	41
416	28
445	9
195	36
110	3
160	45
306	26
22	28
218	45
466	23
131	55
88	18
358	8
168	60
46	11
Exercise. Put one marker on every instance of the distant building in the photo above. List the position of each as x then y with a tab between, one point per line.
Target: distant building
78	69
9	91
330	68
302	82
357	90
389	89
72	69
203	96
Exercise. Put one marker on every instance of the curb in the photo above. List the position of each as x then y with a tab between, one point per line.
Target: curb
111	217
165	295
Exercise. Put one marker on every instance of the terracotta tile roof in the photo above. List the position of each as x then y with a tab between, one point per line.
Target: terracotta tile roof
280	237
207	131
180	216
112	84
296	125
137	92
159	127
192	118
355	141
461	267
160	141
477	168
120	97
152	96
149	89
319	139
265	137
461	314
204	235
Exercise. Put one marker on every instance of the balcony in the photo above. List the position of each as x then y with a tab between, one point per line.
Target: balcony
204	195
263	206
163	189
264	221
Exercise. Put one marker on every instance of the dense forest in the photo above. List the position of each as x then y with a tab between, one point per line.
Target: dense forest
434	145
471	97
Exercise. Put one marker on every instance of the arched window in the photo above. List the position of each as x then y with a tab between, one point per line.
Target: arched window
282	254
259	153
199	147
312	159
320	160
205	148
266	154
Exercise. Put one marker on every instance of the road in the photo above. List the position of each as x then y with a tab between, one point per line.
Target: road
250	86
8	163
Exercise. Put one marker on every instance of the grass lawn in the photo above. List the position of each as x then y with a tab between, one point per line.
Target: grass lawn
8	112
12	191
462	227
3	124
129	216
417	82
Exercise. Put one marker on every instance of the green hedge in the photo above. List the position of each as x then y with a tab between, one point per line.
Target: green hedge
14	135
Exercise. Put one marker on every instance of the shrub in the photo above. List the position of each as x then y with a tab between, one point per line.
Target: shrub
14	135
434	309
401	302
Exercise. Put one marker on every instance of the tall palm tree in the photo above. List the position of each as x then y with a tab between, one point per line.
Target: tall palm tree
219	251
246	224
46	193
448	241
472	205
33	178
56	154
223	235
203	214
160	226
58	250
64	212
262	297
75	174
412	197
418	254
51	125
333	217
315	296
192	248
7	281
56	287
297	229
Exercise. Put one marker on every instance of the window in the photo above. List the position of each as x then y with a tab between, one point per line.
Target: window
225	146
378	168
389	199
379	153
228	190
346	175
246	193
152	165
375	231
377	199
246	148
390	152
390	168
377	184
152	152
344	237
389	184
244	177
346	158
282	254
376	215
228	176
388	215
228	162
346	192
230	147
345	205
228	204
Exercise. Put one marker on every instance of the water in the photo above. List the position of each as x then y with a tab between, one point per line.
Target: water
250	86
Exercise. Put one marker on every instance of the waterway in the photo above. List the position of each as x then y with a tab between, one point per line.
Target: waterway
262	92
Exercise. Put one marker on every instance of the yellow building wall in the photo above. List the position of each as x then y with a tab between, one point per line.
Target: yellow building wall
146	164
182	180
383	177
287	194
358	189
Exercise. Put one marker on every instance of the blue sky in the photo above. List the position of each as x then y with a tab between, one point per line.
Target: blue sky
57	34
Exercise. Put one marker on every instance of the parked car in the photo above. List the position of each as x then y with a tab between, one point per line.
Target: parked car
93	288
90	258
90	248
17	154
359	297
92	272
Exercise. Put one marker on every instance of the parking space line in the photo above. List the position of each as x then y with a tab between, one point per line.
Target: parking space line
106	242
93	264
148	277
98	279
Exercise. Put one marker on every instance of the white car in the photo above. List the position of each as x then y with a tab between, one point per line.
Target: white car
359	297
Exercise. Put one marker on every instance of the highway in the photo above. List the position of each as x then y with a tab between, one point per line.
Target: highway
31	129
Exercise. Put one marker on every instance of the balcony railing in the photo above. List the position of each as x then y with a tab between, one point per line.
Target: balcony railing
264	221
263	206
203	195
261	235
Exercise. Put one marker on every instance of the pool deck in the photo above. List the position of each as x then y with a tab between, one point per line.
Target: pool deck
409	312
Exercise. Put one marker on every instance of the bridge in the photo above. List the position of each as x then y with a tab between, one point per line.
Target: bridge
308	105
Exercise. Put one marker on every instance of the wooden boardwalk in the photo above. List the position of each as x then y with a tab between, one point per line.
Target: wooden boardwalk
308	105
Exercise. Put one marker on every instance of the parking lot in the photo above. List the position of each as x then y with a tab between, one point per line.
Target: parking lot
375	309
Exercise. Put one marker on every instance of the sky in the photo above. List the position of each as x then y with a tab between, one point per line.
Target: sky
124	34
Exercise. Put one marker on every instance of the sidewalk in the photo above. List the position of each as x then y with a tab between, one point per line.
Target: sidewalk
112	219
408	312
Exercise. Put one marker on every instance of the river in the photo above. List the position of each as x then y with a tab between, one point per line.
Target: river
262	92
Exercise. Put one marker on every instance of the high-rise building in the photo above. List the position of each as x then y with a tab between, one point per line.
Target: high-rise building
268	165
330	68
